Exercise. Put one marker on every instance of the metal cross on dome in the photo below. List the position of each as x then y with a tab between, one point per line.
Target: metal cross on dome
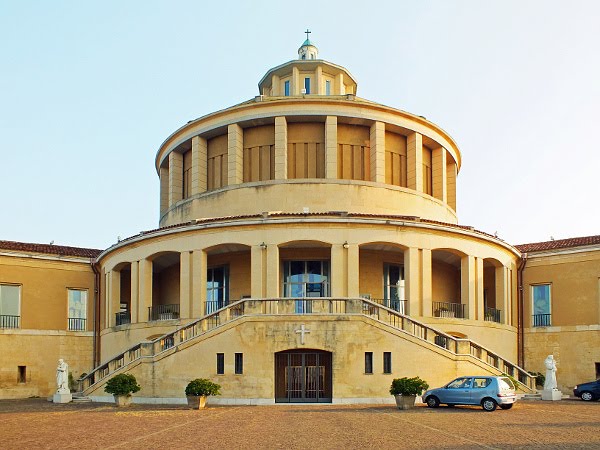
307	33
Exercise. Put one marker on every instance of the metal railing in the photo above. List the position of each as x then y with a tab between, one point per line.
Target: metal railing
77	324
542	320
215	305
397	305
493	315
448	310
287	306
163	312
9	321
122	318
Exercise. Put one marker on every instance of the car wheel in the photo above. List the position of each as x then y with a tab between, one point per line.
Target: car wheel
510	405
432	401
587	396
488	404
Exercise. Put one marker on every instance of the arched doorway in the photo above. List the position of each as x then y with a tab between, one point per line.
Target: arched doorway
303	376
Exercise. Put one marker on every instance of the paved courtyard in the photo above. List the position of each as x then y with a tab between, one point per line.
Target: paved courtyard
36	423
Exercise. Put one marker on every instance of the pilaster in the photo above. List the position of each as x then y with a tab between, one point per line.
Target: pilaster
426	283
272	271
479	288
501	292
353	270
414	162
164	189
338	271
438	171
145	289
378	152
296	81
451	180
175	177
235	154
331	147
275	81
412	277
185	285
135	300
258	272
280	148
199	165
319	81
339	84
198	294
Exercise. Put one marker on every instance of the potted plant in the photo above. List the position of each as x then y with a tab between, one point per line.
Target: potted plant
197	390
405	390
122	386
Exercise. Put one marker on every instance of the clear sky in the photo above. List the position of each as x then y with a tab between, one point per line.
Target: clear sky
90	89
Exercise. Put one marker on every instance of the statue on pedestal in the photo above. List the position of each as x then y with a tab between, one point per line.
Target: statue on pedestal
550	383
62	377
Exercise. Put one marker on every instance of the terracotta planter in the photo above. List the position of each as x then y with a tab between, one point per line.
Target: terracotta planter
122	400
196	402
405	401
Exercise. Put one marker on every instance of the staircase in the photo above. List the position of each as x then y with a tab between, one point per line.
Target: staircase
198	328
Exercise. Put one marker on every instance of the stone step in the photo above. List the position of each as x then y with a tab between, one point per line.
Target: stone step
82	400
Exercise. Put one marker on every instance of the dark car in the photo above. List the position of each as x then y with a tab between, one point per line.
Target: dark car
588	392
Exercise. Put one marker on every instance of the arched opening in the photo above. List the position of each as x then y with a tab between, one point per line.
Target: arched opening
446	281
123	312
227	276
165	287
303	376
382	275
492	290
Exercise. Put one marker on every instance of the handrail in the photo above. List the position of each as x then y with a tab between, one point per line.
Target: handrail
304	306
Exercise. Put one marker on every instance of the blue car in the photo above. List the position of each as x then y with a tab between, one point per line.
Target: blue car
487	391
588	392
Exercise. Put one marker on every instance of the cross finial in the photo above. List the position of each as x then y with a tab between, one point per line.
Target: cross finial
307	33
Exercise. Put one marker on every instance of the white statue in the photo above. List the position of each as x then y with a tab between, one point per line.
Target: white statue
550	383
62	377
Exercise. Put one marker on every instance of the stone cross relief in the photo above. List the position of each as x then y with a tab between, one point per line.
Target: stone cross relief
302	331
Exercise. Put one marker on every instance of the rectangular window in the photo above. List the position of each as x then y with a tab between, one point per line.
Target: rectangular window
239	363
387	362
217	288
77	309
187	174
541	305
10	306
220	363
22	374
307	85
327	87
286	88
394	287
368	362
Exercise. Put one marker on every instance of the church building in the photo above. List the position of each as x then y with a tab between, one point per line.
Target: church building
308	250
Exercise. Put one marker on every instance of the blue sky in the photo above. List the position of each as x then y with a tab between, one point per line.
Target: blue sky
89	90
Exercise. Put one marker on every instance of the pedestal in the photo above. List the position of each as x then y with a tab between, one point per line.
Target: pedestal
551	395
62	397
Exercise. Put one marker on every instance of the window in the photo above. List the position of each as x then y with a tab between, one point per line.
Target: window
217	288
327	87
540	295
77	309
481	383
22	374
393	287
187	174
368	362
460	383
10	306
239	363
307	85
387	362
220	363
286	88
303	279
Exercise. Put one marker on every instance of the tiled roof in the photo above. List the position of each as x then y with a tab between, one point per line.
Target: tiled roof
559	243
49	249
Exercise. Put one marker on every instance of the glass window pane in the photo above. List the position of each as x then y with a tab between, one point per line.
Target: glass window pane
77	304
9	300
541	299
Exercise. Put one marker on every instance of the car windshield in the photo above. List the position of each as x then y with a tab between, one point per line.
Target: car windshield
506	384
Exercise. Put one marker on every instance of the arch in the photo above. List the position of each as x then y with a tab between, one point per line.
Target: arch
228	247
166	274
493	289
304	244
383	246
446	282
381	273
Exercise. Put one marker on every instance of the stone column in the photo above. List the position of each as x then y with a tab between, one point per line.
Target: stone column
175	177
378	152
331	147
164	190
479	288
199	165
273	280
258	272
185	285
426	284
467	284
412	277
135	300
438	171
235	154
338	271
198	294
145	289
281	148
353	273
501	292
414	162
451	180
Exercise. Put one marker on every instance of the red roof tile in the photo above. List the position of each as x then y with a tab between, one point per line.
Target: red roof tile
559	243
49	249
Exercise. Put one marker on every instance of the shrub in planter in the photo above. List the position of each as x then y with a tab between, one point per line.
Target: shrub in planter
406	390
197	390
122	386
